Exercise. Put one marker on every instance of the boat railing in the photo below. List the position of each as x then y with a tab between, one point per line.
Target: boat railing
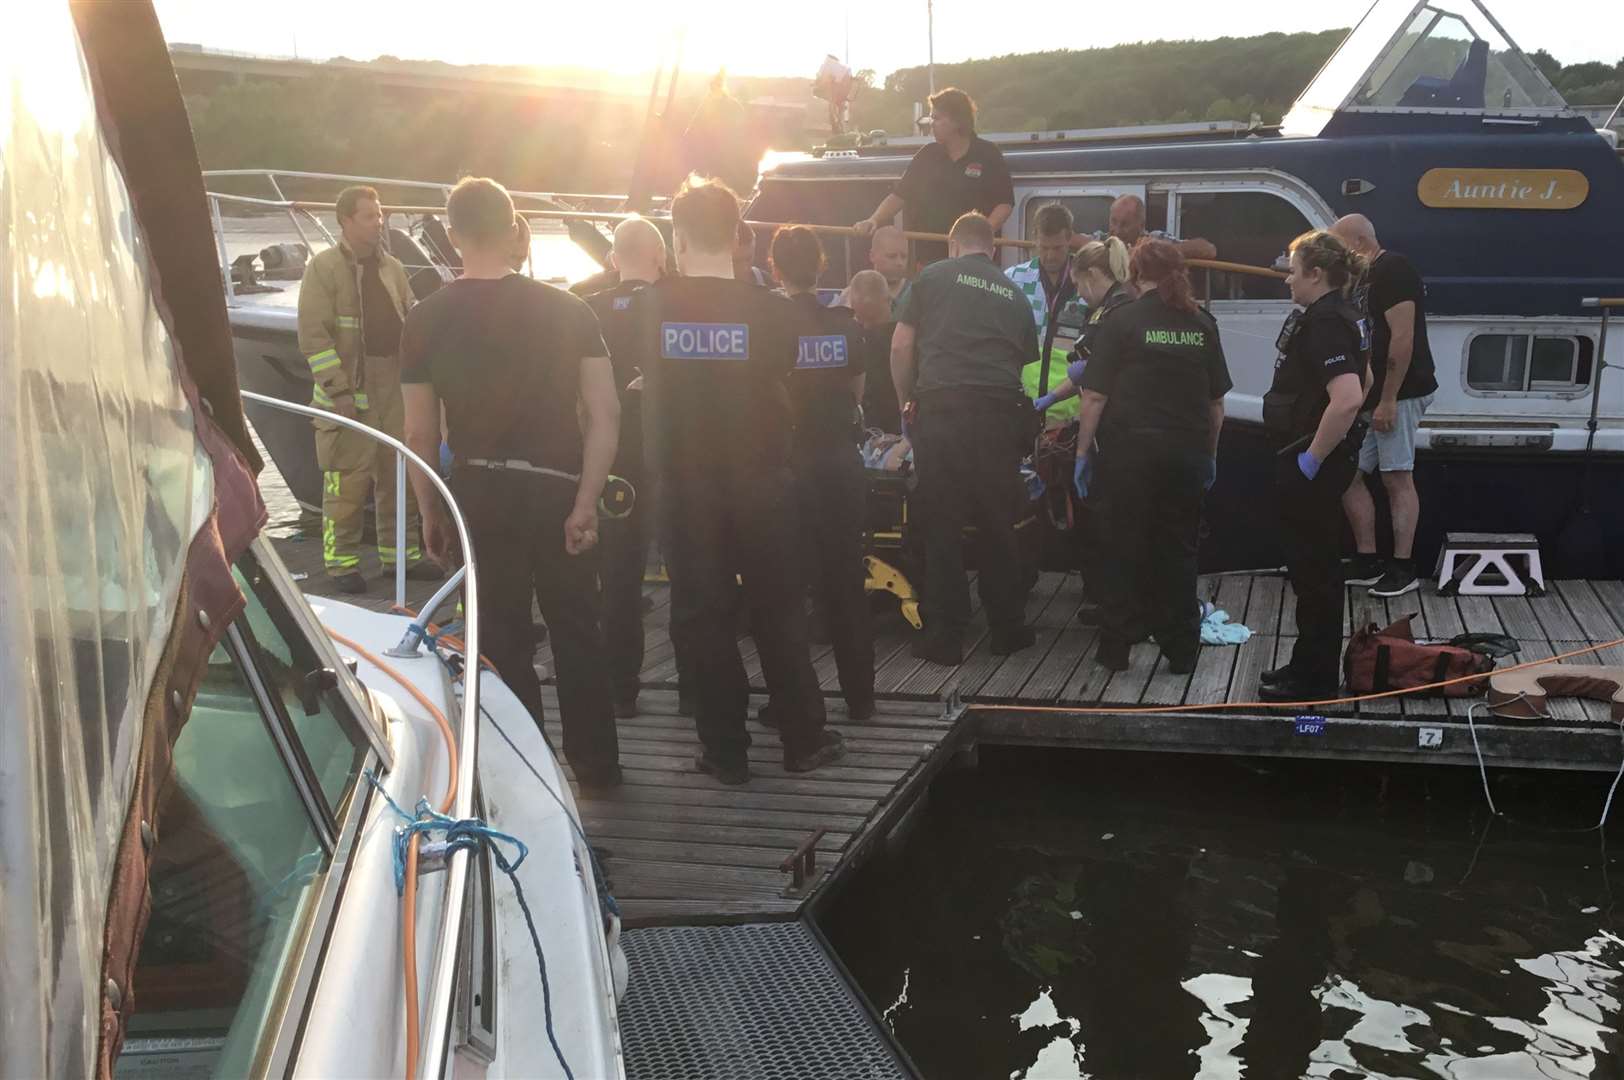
302	212
1607	305
846	233
448	944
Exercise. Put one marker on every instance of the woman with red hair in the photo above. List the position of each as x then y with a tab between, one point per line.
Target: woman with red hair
1153	395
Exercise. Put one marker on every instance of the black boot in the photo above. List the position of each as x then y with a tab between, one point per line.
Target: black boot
1112	655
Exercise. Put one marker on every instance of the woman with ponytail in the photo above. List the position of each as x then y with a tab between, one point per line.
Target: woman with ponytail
1100	272
1311	411
1158	364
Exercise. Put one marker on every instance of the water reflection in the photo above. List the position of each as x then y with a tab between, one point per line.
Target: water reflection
1241	922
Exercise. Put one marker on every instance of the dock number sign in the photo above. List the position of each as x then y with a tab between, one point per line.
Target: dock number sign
1311	725
1503	189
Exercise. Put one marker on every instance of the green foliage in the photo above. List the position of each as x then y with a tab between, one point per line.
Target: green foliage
1142	83
343	120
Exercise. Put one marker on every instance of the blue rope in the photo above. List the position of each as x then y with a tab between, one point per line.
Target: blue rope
605	899
473	835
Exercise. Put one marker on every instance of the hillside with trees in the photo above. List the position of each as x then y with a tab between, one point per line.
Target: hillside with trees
1158	82
345	122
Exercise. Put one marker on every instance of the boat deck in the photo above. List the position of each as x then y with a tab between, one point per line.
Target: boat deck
679	848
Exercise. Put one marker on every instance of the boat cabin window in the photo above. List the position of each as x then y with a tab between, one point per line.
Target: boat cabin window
234	875
1251	227
1090	213
1529	364
246	826
305	686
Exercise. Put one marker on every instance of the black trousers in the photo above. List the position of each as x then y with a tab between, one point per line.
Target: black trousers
625	556
516	522
715	529
1151	489
832	494
1311	533
967	453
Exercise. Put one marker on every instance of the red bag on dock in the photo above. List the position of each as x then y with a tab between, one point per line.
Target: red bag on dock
1391	659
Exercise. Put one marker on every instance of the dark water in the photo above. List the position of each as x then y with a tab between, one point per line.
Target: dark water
1069	914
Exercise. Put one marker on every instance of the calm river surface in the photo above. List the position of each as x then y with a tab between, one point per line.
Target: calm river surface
1065	914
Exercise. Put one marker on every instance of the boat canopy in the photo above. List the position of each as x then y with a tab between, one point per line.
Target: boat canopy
115	482
1428	56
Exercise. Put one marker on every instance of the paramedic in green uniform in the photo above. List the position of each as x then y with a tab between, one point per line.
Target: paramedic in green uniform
1158	362
963	335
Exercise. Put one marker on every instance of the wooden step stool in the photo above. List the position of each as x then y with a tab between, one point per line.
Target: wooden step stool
1490	564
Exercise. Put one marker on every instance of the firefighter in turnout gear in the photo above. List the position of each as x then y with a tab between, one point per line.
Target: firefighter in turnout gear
352	304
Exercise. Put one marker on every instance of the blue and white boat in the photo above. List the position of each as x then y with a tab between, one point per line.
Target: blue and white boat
1429	120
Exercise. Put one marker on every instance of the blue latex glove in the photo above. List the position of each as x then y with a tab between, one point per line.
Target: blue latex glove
1074	371
1210	475
1082	474
1042	404
1308	464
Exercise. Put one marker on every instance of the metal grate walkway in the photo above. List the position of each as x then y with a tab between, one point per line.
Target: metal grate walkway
752	1002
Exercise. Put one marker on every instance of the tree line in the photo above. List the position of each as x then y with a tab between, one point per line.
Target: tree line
345	121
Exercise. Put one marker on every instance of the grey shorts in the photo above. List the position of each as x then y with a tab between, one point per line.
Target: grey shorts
1394	451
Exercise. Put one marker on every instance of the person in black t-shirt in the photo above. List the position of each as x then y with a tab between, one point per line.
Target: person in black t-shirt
1394	300
1158	362
718	426
639	257
511	360
829	483
957	173
1311	411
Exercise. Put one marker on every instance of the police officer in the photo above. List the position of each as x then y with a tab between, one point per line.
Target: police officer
963	335
829	483
639	258
1312	411
718	427
1158	363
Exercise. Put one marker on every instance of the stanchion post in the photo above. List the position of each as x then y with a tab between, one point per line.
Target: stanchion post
400	529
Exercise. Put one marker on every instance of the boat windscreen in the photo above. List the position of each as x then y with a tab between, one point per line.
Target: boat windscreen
1431	54
106	486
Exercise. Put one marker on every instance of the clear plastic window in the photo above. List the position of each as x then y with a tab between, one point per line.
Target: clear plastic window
234	875
1451	56
307	688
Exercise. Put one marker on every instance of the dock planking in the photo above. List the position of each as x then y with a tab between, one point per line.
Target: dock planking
678	847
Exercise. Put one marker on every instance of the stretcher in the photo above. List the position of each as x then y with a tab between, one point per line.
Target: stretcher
894	552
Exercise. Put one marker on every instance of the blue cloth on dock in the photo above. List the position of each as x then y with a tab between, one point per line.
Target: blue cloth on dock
1216	629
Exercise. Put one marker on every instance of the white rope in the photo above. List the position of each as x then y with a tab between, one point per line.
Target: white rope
1483	772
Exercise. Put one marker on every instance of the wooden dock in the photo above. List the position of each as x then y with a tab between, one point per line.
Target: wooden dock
678	847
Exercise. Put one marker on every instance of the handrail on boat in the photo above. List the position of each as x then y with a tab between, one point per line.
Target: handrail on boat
435	1039
847	231
271	175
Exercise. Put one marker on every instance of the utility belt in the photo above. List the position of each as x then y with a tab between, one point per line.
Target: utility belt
617	500
1350	443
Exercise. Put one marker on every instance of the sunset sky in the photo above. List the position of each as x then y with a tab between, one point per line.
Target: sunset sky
763	37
